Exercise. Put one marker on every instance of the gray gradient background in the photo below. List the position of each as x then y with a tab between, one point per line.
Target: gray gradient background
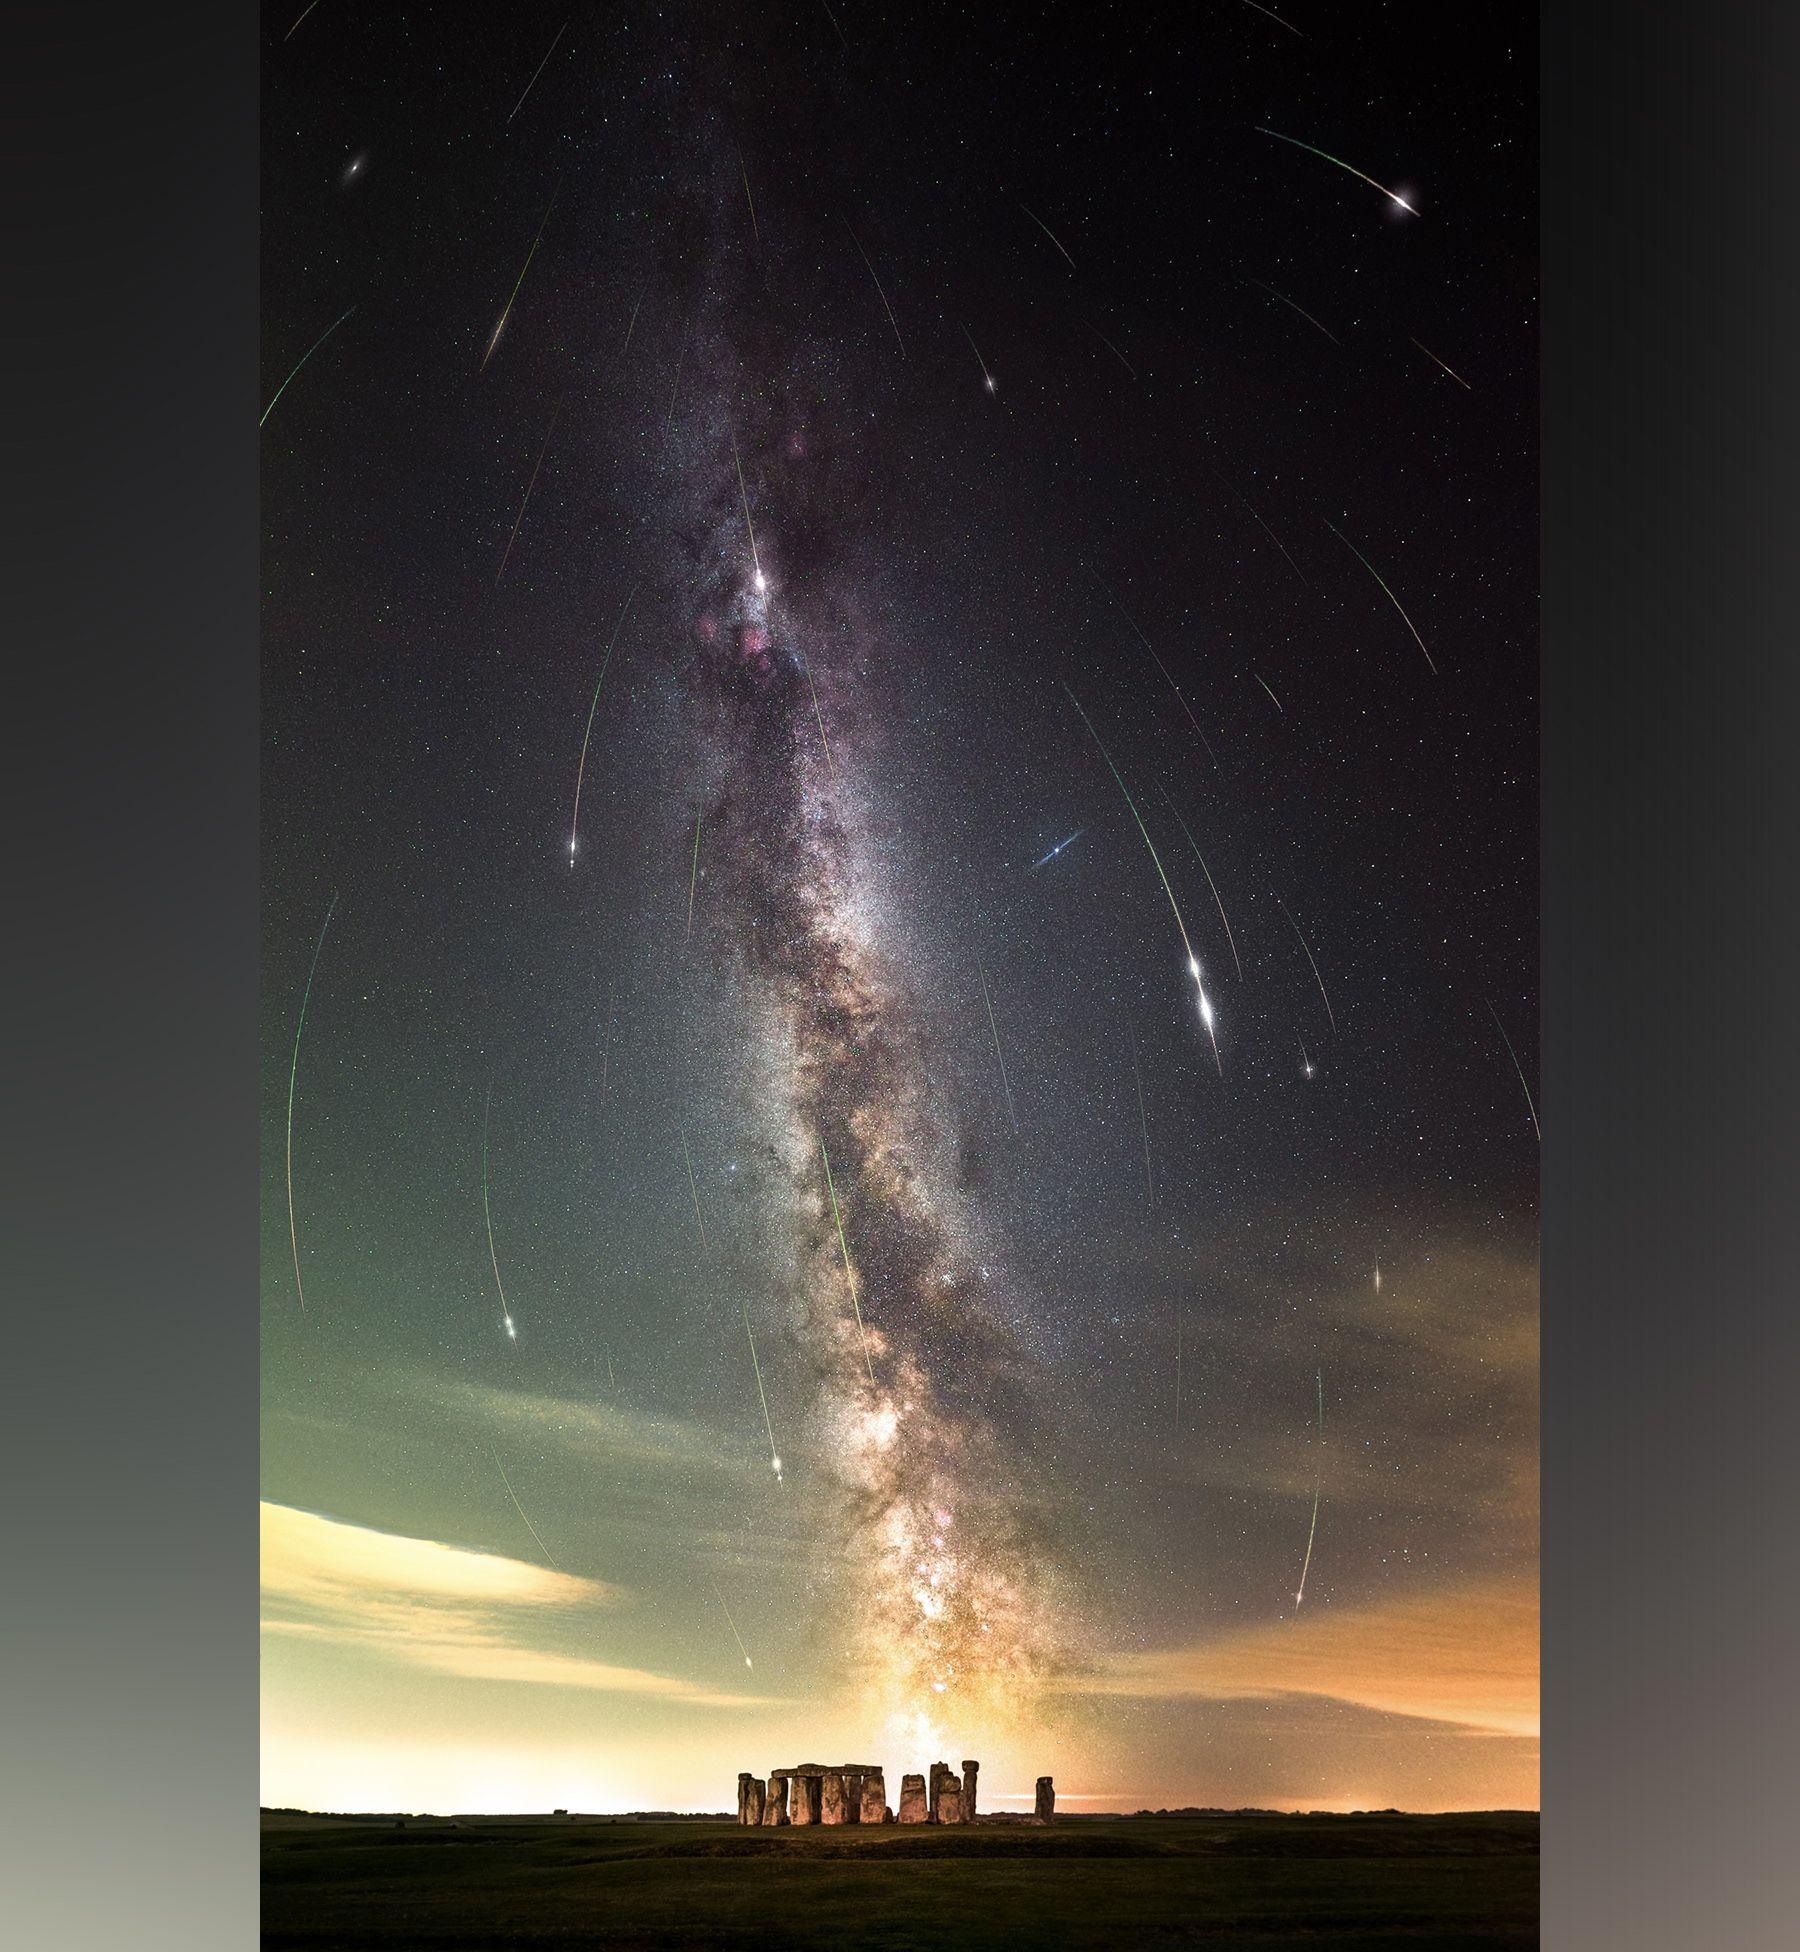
127	1630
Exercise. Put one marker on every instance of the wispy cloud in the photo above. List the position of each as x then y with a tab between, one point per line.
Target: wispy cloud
1465	1655
444	1607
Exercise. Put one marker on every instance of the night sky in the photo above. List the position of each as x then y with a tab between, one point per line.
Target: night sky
1049	1503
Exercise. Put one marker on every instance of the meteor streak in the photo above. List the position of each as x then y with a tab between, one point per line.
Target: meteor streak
292	31
1436	361
694	1193
1317	978
1258	520
987	378
1160	665
1517	1066
1048	232
1306	1063
1006	1088
1273	700
1137	1078
669	424
1339	161
500	326
1318	1487
818	716
762	1397
1292	307
885	306
1391	597
693	880
1213	885
538	70
313	348
1193	962
1056	850
1111	348
526	503
1178	1368
732	1624
487	1214
749	526
520	1509
594	706
748	198
293	1075
631	327
849	1275
1276	18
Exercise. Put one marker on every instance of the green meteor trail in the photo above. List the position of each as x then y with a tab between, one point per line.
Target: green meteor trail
1339	161
693	880
500	327
1391	597
849	1275
1318	1487
520	1509
581	767
305	356
762	1397
293	1075
1005	1087
1213	885
694	1193
487	1214
1517	1066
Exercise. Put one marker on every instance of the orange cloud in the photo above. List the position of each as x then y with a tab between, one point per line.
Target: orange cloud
1465	1654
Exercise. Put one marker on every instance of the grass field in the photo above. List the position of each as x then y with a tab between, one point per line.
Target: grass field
1275	1883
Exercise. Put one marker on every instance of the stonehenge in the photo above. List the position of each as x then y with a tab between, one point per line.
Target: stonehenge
856	1792
1046	1799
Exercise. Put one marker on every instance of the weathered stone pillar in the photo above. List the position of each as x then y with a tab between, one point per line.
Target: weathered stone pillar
743	1794
913	1806
1046	1799
949	1800
806	1799
775	1809
831	1796
968	1790
754	1801
853	1782
940	1772
874	1798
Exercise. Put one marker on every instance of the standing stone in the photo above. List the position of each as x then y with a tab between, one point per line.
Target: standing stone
754	1801
950	1800
775	1810
743	1794
853	1782
968	1790
806	1799
874	1799
1046	1799
832	1801
940	1774
913	1807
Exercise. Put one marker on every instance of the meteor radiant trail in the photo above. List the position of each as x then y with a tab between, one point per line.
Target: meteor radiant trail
500	325
693	880
1436	361
1056	850
1378	1277
541	66
987	378
292	31
818	716
1006	1088
1306	1063
1111	348
1258	520
1339	161
1048	232
1213	885
487	1214
1292	307
1193	961
520	1509
1317	978
761	1394
632	326
732	1624
694	1193
1391	597
293	1076
1318	1487
748	198
1273	700
1137	1078
588	733
849	1274
1517	1066
749	526
1276	18
1160	665
305	356
885	306
674	391
526	503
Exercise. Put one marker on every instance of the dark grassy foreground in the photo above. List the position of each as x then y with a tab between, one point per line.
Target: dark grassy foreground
1347	1883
